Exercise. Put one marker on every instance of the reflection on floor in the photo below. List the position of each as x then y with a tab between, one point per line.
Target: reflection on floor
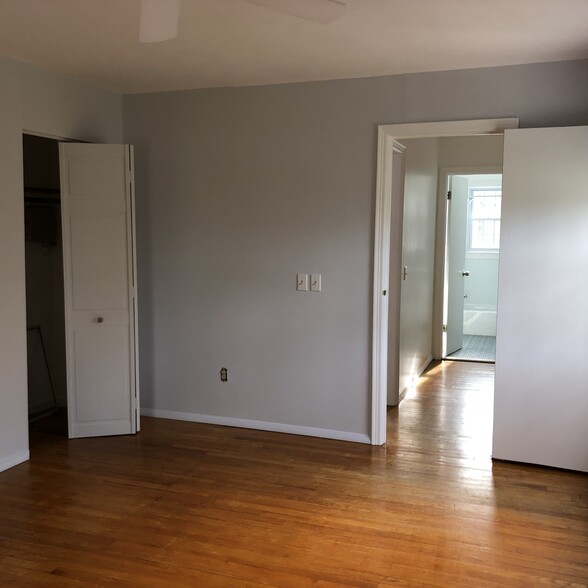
447	417
476	348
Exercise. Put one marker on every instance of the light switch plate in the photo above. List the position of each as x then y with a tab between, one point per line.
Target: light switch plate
302	282
315	282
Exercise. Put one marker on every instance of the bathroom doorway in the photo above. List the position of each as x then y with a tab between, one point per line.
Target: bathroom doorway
472	256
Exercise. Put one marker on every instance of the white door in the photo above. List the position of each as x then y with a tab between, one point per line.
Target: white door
541	390
456	272
100	295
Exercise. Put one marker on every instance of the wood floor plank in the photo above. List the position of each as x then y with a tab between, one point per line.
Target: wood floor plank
183	504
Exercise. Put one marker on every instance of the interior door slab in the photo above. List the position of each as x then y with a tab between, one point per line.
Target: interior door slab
456	249
541	393
100	292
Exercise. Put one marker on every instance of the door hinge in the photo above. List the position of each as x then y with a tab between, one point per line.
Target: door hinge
448	194
445	328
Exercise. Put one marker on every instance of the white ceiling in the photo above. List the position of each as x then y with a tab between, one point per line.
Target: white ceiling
236	43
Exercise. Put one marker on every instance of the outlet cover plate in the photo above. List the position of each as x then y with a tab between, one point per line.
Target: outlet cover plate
302	282
315	282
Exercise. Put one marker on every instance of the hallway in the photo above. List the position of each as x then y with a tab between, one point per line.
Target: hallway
186	504
447	418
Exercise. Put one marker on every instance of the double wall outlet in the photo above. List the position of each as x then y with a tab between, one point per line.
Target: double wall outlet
306	282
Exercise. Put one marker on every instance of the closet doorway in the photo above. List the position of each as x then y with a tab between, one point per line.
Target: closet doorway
46	360
81	287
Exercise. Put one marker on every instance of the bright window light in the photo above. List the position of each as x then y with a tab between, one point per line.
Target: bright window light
484	219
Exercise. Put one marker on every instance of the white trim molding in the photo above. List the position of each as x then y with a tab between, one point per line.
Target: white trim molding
14	460
456	128
381	295
259	425
387	137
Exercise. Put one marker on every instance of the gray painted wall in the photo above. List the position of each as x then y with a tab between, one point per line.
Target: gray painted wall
239	189
41	102
481	151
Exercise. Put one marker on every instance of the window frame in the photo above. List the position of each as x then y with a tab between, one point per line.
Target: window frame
469	221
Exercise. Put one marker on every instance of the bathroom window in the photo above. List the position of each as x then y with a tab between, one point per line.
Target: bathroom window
484	219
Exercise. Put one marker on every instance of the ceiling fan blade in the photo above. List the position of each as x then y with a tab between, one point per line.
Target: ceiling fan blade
321	11
158	20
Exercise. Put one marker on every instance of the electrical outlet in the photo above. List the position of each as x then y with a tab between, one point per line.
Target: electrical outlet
224	375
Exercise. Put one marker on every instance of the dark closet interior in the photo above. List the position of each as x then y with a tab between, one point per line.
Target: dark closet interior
44	278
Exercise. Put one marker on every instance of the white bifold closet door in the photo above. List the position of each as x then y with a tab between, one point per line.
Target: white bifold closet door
100	294
541	394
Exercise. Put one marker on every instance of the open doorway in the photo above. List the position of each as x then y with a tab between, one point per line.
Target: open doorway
81	286
389	266
46	360
471	266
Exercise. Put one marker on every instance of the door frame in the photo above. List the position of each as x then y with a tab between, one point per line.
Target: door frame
134	331
441	238
388	134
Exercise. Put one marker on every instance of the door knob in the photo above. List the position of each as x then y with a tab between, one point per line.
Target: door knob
465	273
99	320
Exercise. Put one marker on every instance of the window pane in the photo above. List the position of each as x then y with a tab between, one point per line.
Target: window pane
485	234
486	207
484	218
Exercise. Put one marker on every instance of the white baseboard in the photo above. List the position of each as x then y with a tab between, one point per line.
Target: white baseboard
260	425
14	460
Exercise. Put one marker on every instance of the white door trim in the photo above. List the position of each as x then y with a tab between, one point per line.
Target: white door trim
387	135
133	300
386	147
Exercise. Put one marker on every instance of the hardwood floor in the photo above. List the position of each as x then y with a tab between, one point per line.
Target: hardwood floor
183	504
